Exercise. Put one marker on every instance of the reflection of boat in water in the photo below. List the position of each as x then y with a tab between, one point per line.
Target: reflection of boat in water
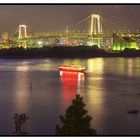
72	76
72	68
71	83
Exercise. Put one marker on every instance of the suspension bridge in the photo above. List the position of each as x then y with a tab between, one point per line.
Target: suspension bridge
97	32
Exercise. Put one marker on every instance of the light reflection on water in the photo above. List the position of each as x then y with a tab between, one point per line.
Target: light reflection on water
70	85
22	89
110	88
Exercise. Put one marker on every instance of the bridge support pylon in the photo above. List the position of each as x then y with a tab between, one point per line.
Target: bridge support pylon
95	29
22	31
95	24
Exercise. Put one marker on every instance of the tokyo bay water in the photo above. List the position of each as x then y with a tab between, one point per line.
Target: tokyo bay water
110	88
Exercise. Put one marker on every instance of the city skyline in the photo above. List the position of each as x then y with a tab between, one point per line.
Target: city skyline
46	18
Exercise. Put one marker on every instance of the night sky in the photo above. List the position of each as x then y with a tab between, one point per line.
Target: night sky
43	18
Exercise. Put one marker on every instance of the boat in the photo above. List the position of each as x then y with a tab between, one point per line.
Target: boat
72	68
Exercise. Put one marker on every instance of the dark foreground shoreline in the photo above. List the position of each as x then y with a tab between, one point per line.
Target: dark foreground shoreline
65	52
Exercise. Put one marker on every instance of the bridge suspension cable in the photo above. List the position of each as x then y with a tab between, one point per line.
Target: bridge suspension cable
95	25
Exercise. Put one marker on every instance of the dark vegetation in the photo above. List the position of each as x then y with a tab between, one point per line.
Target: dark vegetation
65	52
76	120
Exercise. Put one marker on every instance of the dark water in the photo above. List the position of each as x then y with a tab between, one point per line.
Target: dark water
110	87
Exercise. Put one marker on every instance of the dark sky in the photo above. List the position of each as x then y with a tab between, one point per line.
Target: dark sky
43	18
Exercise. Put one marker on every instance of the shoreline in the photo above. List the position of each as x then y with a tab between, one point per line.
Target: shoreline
66	52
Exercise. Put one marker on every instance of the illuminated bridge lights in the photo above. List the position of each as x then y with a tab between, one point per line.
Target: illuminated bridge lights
22	31
96	31
95	24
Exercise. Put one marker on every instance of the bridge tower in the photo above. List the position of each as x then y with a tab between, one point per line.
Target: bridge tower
96	28
95	24
22	31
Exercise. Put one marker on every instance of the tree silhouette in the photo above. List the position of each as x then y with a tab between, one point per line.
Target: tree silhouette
76	120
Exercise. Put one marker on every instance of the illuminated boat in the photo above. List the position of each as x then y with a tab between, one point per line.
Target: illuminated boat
72	68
